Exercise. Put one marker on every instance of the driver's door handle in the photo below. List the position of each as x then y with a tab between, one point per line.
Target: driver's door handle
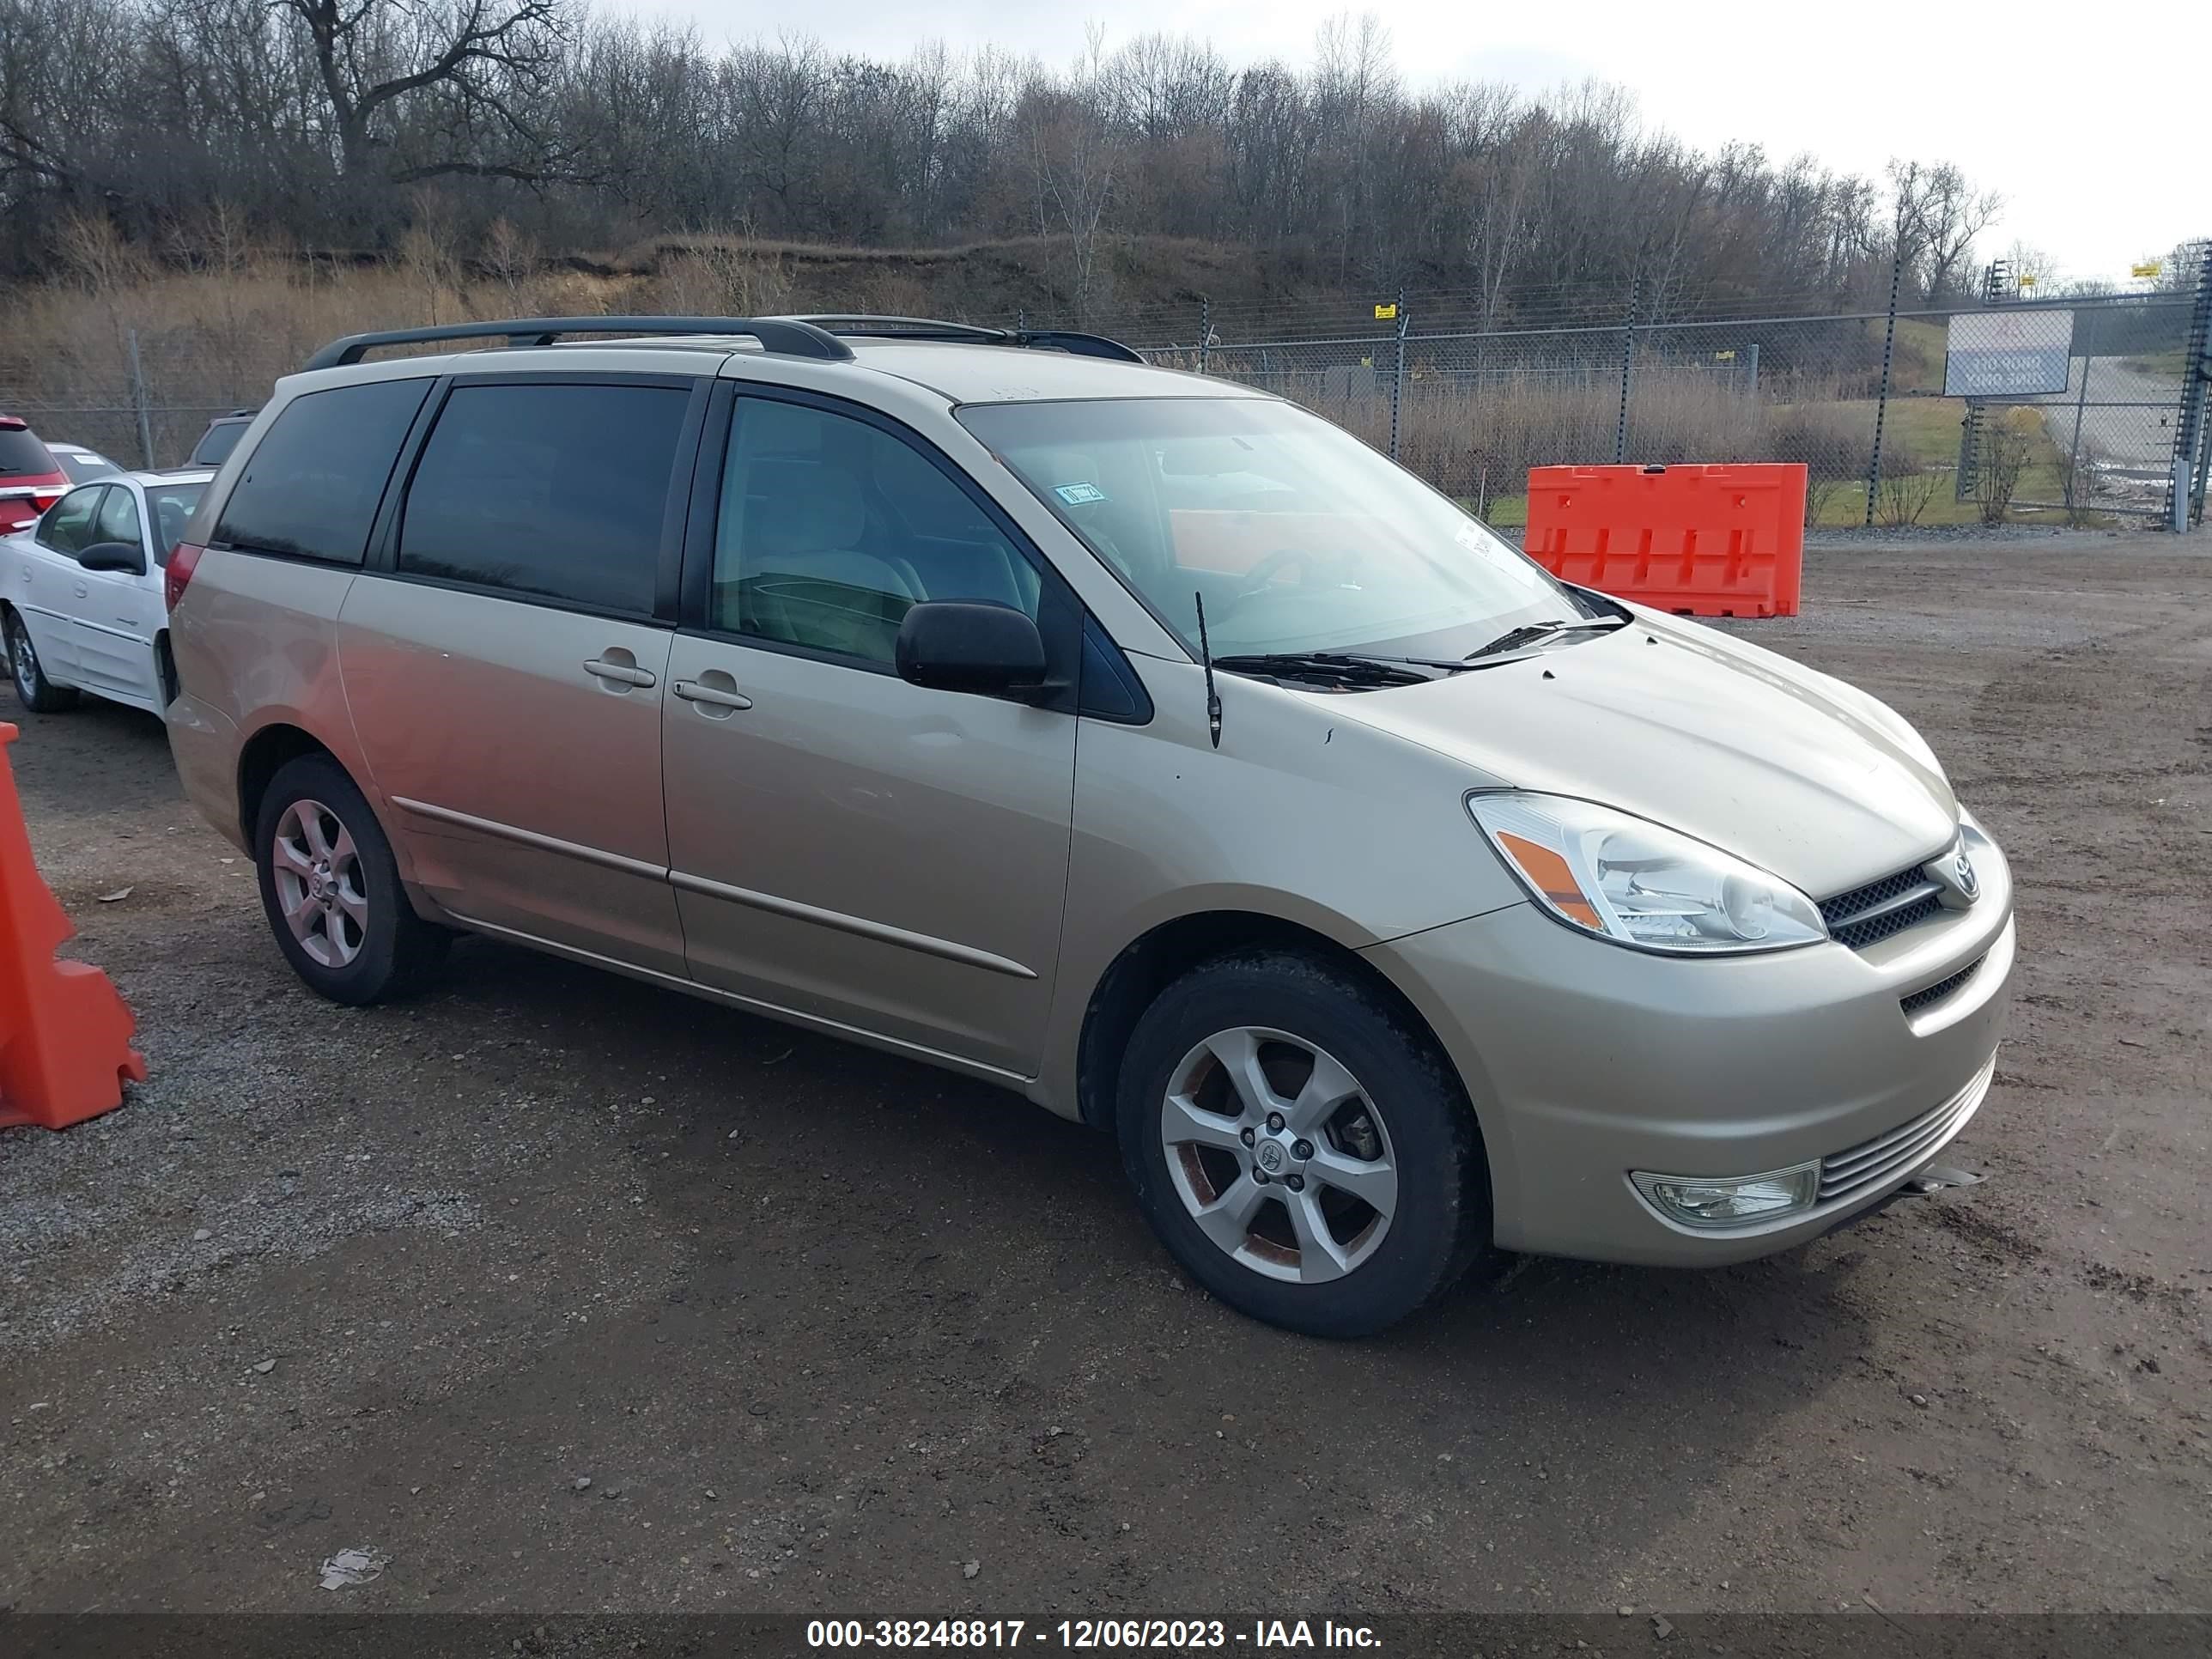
82	591
622	673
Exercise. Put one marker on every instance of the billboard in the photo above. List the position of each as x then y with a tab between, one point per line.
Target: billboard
2013	353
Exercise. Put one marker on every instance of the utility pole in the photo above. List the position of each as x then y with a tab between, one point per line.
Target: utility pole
1398	383
1627	370
1881	402
138	404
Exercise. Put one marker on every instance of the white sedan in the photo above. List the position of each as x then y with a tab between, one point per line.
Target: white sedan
80	607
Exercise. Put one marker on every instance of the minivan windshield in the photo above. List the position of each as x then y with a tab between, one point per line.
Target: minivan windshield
1300	537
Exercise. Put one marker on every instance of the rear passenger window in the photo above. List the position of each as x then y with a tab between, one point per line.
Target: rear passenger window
310	489
557	491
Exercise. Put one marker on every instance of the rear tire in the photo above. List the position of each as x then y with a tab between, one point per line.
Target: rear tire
36	692
331	890
1300	1145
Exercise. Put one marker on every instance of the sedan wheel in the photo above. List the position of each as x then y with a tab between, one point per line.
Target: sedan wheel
36	692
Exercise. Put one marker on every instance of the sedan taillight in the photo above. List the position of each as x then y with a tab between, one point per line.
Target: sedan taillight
179	571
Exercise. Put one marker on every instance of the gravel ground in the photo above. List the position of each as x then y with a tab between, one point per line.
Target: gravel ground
825	1331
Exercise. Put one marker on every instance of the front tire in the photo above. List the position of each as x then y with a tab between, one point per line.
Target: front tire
331	892
36	693
1300	1146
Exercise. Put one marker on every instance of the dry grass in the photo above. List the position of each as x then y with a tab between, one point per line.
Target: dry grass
215	333
213	336
216	337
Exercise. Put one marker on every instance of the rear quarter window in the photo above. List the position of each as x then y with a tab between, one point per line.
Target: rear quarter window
311	486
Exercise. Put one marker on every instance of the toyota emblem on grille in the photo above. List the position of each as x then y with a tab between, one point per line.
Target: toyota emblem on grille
1955	873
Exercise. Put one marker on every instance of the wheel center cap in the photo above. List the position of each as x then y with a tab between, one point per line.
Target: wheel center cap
1273	1156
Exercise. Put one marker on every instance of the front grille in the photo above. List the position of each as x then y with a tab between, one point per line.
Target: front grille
1942	988
1870	1163
1881	908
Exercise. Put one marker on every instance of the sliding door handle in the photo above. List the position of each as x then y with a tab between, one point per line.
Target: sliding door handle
715	696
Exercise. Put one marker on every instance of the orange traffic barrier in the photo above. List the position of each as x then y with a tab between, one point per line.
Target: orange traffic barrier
65	1031
1699	541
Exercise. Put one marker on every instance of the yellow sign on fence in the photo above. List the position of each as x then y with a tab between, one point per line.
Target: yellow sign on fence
2148	269
1385	313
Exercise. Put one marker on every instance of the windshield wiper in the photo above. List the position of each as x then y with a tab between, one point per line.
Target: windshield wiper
1530	632
1346	665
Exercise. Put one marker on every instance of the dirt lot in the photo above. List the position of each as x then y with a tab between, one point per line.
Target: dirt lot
820	1327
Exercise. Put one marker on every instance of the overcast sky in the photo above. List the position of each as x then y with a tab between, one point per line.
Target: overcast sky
2088	119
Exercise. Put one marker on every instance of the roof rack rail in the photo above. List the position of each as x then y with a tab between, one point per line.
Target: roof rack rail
786	337
861	325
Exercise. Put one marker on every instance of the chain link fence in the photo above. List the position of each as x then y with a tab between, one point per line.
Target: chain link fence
2086	409
2077	410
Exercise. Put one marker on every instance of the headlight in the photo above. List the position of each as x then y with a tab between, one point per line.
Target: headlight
1628	880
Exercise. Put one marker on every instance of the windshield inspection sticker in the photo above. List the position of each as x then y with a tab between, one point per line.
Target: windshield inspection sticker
1079	495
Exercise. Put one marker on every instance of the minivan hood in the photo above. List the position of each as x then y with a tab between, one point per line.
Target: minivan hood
1799	773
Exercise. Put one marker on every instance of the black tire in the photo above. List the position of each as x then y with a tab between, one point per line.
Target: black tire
33	688
392	950
1441	1215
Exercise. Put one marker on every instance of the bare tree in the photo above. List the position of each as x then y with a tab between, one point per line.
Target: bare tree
472	66
1936	215
311	121
774	95
1077	157
57	77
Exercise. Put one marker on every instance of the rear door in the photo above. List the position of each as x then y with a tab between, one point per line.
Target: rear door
506	656
114	614
46	577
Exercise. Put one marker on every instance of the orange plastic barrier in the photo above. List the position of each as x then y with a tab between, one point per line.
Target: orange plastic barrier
1700	541
64	1032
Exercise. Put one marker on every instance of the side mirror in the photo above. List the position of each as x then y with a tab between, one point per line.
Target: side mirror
114	556
961	645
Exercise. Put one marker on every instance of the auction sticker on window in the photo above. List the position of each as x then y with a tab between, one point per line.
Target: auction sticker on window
1079	495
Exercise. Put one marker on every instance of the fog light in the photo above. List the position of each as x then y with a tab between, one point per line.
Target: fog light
1730	1202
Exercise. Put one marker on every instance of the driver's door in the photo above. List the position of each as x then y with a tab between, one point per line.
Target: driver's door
43	585
881	857
114	615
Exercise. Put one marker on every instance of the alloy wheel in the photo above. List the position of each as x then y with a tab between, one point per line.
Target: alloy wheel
320	884
1278	1155
22	660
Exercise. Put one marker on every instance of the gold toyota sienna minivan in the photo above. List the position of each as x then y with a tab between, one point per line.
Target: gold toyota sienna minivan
1132	739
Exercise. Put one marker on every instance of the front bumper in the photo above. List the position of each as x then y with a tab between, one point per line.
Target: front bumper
1586	1061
